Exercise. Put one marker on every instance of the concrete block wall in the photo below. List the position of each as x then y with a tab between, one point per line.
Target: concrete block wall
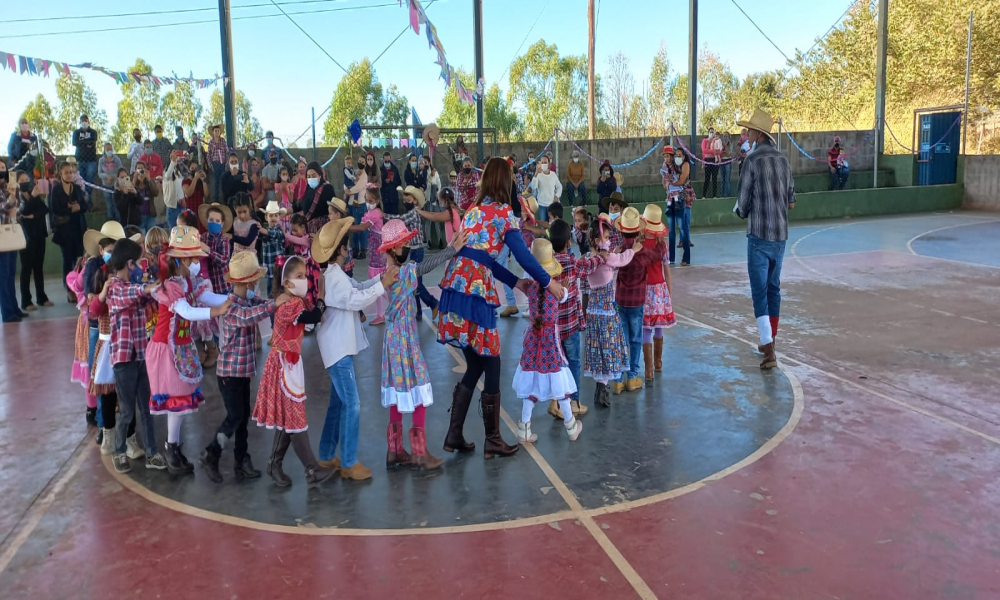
982	182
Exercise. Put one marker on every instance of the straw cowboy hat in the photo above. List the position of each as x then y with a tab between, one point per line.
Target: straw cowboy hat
759	121
529	204
329	237
630	221
653	218
541	249
395	234
244	268
227	215
185	243
338	205
614	197
415	192
272	209
111	229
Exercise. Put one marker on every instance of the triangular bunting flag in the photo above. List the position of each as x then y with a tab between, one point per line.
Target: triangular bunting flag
404	143
23	64
414	17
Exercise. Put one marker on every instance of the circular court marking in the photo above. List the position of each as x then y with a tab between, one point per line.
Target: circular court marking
699	422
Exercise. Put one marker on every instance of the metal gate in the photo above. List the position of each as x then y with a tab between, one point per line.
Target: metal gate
939	138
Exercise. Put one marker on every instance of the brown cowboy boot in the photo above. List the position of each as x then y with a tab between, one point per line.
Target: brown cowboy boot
494	445
460	401
396	455
647	357
658	354
770	358
422	459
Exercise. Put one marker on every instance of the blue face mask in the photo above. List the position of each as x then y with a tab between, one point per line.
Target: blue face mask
251	294
107	257
135	274
215	228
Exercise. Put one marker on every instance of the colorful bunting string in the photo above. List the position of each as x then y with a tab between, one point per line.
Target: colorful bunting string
417	18
40	66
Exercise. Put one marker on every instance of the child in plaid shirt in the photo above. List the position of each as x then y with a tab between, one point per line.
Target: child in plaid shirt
238	362
127	299
272	239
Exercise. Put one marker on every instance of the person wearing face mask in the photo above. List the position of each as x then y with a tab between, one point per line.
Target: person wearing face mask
195	186
173	186
390	180
315	202
256	183
546	187
269	173
147	189
765	195
299	177
680	199
838	174
9	204
108	171
175	373
237	364
33	211
576	189
252	153
180	143
270	147
136	149
85	140
466	185
127	201
355	182
161	145
606	182
151	160
20	142
415	174
68	204
234	181
218	158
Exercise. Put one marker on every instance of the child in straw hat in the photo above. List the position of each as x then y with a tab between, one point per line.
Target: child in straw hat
238	364
175	372
631	295
657	311
406	386
272	239
413	200
373	221
543	372
281	394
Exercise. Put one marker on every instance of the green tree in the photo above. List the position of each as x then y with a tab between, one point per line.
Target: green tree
248	128
498	113
76	99
180	106
395	109
42	119
456	114
716	85
659	87
137	108
677	105
551	89
358	95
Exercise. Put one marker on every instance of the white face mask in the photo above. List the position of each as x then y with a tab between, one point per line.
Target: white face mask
413	166
678	161
576	159
605	245
234	168
298	287
370	206
194	268
250	153
108	153
313	182
545	167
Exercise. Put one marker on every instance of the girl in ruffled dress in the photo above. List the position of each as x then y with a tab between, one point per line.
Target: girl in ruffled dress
658	311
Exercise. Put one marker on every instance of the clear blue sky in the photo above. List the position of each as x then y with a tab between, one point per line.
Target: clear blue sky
284	74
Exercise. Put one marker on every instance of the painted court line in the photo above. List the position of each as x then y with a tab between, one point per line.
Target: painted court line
909	244
37	511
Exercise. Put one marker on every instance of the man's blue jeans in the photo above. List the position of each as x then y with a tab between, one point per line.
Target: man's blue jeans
726	180
218	170
571	348
764	267
632	329
359	241
838	178
172	214
504	259
679	223
543	213
88	171
343	415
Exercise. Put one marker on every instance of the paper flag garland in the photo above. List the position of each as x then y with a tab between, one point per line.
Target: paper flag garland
417	18
40	66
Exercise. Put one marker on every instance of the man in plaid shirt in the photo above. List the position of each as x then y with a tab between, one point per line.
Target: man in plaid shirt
571	318
218	157
238	364
127	308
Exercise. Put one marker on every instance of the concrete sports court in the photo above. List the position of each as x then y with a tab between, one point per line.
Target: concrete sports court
868	466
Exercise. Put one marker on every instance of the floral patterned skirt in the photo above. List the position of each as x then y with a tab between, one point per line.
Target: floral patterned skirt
607	350
658	310
460	332
405	382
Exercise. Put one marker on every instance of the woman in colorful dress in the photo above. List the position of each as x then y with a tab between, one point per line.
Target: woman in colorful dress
469	300
406	386
81	349
171	357
658	311
607	351
543	372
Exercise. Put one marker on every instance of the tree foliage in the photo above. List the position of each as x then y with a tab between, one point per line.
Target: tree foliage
179	107
550	89
497	112
76	99
359	95
248	128
44	122
137	108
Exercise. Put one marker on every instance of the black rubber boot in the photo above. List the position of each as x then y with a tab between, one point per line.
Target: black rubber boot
315	474
172	454
244	469
461	399
209	459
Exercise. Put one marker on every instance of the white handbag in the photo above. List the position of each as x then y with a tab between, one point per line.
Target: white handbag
12	238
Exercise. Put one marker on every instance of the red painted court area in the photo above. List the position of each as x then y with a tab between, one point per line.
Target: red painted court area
868	468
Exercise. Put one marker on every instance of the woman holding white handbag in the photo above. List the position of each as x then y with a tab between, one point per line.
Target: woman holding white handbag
11	240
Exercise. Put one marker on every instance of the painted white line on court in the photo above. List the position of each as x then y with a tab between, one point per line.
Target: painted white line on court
909	244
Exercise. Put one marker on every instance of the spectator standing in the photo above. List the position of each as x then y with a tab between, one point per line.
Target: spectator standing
711	169
459	153
467	185
838	166
151	160
161	146
147	190
198	151
546	188
85	140
606	184
530	166
269	174
680	199
234	181
173	186
415	175
135	150
195	186
68	204
20	142
108	172
390	180
127	200
576	189
726	169
218	159
32	213
251	154
180	143
765	195
270	147
9	203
